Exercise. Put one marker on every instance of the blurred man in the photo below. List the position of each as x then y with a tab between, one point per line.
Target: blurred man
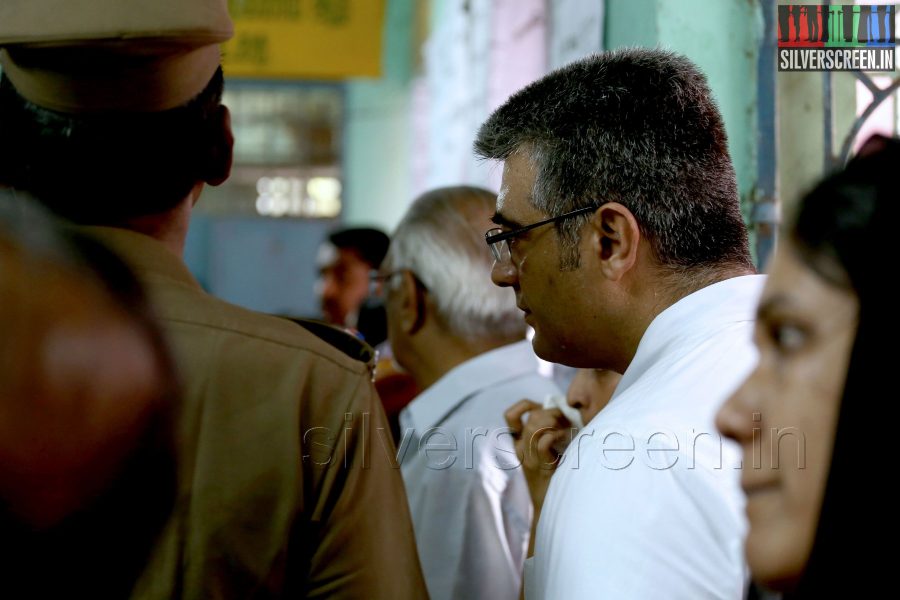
111	114
621	234
344	262
463	343
87	469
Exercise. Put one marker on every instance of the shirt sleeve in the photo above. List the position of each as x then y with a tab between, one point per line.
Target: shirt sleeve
364	544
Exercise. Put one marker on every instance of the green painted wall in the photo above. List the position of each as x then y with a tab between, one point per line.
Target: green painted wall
631	23
721	37
377	129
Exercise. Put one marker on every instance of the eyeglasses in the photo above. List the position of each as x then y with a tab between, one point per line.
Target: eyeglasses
498	240
378	280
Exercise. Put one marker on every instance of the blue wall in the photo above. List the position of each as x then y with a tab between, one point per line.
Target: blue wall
261	264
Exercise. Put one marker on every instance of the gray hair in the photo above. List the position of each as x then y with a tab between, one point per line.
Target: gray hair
439	241
635	126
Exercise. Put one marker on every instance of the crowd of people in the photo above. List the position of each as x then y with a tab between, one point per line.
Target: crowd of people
156	442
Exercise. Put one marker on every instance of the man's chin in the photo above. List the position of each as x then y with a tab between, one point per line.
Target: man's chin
558	353
333	316
546	350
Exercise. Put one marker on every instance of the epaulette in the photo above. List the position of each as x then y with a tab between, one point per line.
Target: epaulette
344	341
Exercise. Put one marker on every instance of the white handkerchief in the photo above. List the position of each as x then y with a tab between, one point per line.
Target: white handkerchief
557	401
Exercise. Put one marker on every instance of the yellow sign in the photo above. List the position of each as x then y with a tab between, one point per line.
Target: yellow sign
305	39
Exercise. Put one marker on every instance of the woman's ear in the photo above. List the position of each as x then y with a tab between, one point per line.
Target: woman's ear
616	237
221	147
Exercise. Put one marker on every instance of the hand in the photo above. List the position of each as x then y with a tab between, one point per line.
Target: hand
535	441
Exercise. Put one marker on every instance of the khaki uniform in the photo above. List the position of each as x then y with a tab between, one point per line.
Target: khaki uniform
288	482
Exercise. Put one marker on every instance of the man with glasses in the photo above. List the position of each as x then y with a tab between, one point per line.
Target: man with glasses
620	232
463	342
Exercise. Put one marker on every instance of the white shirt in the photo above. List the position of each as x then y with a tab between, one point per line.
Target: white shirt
662	516
469	501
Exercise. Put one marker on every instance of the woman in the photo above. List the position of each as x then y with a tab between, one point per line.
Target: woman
542	437
824	332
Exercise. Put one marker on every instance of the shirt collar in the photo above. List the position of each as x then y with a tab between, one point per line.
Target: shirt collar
433	405
697	315
147	256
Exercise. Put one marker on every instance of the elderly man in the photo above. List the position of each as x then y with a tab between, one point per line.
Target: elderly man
621	234
110	114
463	342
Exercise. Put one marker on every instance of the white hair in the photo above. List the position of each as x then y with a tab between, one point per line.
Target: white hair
439	240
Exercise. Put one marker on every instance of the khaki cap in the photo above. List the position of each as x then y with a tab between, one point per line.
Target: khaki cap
78	56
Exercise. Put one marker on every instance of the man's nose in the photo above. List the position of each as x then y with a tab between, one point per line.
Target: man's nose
327	286
504	273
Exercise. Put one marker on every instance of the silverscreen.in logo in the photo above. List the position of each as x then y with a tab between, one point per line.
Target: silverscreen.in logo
813	37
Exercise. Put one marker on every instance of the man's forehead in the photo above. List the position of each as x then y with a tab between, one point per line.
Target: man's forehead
501	197
327	255
330	256
517	187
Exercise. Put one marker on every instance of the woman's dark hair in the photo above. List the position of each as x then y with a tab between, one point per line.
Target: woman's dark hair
843	232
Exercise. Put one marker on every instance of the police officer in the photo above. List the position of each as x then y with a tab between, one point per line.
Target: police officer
110	115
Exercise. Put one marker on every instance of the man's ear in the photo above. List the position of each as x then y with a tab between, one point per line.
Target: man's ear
616	236
412	303
221	147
